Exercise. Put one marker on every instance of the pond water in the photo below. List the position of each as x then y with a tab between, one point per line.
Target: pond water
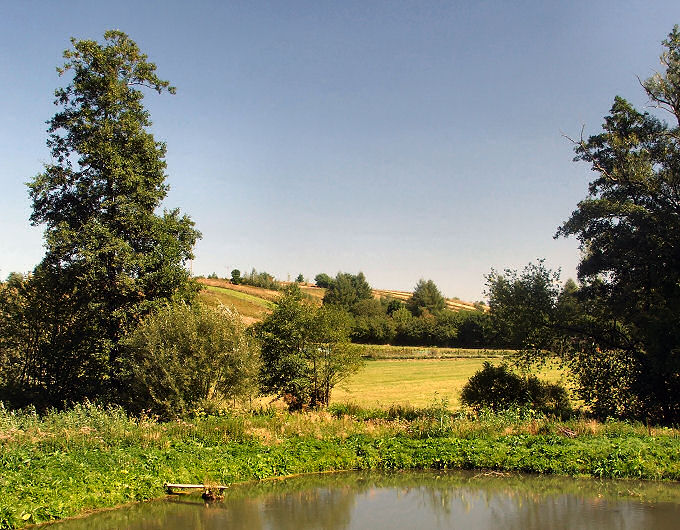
421	500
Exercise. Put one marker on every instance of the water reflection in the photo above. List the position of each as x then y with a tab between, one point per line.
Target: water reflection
422	500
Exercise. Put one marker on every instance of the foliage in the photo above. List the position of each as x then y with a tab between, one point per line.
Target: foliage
498	388
300	278
426	296
236	277
305	350
110	259
260	279
323	280
348	289
522	304
186	357
629	232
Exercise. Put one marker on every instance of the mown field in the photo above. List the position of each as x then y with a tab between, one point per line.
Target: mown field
418	382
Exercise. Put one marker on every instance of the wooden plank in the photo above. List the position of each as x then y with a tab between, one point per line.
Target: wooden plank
195	486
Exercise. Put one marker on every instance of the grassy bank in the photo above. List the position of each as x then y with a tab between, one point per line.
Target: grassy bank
87	458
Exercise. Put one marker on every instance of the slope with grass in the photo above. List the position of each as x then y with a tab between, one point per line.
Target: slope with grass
251	308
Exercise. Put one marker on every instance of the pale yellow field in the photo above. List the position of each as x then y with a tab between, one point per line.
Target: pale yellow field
418	382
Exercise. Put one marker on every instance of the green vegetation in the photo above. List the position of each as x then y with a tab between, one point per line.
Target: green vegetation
347	289
385	351
305	350
498	388
66	463
110	259
259	279
186	358
426	297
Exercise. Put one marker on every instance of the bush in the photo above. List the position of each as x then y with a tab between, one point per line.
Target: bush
188	358
498	388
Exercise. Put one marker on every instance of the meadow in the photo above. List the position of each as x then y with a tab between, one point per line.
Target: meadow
420	381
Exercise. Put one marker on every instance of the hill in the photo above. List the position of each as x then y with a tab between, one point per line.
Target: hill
255	303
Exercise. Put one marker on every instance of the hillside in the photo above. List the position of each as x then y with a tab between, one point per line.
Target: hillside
255	303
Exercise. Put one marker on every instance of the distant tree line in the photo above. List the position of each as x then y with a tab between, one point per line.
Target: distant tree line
422	320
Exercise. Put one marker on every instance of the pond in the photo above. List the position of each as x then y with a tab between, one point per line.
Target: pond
422	500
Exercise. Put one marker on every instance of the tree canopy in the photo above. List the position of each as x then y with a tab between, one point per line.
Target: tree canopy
347	289
426	296
110	257
620	330
305	350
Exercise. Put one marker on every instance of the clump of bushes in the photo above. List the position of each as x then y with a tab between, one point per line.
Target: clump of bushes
499	388
188	359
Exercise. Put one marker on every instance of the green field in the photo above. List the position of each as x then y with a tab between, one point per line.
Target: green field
417	382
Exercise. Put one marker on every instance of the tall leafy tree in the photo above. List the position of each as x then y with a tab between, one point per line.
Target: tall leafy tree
305	350
110	257
426	296
629	231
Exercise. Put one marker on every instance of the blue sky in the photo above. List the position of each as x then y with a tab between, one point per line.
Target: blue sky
404	139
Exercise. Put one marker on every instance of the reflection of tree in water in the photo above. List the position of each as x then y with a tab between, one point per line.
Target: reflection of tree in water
524	502
461	499
317	508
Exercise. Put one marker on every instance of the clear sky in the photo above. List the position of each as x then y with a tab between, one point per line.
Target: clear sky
406	140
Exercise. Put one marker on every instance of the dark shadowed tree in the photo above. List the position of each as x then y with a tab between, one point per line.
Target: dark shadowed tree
620	330
629	231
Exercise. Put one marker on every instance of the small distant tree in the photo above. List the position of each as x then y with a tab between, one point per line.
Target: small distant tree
300	278
185	358
305	350
236	277
426	295
393	305
347	289
323	280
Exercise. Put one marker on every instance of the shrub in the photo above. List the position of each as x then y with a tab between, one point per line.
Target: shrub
498	388
185	358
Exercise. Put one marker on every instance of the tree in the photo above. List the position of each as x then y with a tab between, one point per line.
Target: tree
348	289
629	232
183	357
305	350
236	277
110	258
426	295
323	280
300	278
523	305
